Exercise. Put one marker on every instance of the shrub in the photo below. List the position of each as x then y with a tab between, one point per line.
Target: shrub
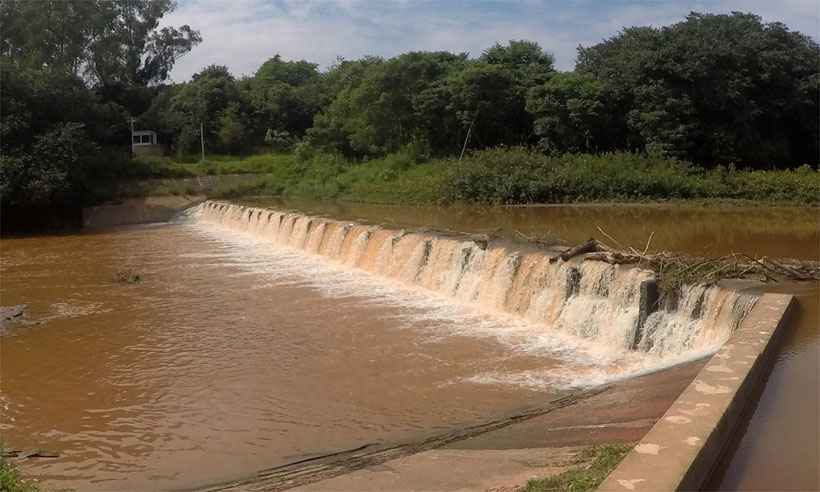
523	176
55	164
11	481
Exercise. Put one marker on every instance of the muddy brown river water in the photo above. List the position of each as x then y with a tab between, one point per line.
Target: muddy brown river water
232	356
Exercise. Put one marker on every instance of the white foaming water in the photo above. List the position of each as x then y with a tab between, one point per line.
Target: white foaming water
586	313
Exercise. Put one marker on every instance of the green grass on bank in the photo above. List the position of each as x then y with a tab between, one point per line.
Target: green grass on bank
598	462
396	178
12	481
167	167
495	176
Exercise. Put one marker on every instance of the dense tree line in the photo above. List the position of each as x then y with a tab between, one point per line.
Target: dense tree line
72	73
712	89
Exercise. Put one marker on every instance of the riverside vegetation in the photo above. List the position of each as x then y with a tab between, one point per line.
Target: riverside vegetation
596	463
714	106
494	176
12	481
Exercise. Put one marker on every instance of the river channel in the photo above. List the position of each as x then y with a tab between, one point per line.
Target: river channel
231	354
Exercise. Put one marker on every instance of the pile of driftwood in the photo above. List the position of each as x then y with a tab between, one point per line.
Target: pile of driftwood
676	269
672	269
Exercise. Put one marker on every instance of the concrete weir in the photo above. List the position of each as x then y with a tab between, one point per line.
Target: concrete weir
683	447
615	312
612	307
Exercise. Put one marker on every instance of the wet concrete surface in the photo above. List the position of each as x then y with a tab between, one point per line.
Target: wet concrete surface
505	459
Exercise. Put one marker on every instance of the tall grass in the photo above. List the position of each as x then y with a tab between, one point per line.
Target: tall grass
397	178
167	167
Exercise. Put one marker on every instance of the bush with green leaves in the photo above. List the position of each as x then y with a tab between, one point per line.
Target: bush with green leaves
12	481
520	175
51	167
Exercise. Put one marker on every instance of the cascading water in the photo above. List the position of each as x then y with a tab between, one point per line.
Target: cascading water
613	308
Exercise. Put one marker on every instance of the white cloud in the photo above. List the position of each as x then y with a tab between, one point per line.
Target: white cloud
242	34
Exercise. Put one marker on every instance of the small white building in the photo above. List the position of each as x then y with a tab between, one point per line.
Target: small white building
144	142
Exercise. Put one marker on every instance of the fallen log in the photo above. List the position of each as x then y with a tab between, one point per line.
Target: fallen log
32	453
590	246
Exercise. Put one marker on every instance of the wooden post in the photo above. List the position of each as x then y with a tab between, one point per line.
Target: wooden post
202	140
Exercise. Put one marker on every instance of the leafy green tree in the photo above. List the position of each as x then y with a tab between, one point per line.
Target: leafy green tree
443	125
111	42
491	94
129	48
72	73
283	95
527	61
377	106
35	102
52	166
293	73
486	98
231	130
714	89
573	113
341	118
159	116
204	102
49	35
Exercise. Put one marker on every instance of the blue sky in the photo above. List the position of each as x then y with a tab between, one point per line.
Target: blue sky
242	34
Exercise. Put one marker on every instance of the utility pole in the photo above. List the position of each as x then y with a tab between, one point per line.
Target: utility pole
202	140
131	144
467	139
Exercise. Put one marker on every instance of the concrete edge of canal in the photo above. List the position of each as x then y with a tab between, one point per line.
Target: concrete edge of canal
685	445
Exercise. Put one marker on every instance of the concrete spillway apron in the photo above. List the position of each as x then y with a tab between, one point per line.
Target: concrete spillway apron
681	450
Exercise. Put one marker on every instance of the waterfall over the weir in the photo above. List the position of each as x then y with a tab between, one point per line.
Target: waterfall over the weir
613	306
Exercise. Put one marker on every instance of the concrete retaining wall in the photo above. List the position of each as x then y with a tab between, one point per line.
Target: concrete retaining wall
683	447
157	200
137	211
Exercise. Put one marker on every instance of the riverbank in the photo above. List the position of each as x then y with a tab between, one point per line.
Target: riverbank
501	176
497	176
